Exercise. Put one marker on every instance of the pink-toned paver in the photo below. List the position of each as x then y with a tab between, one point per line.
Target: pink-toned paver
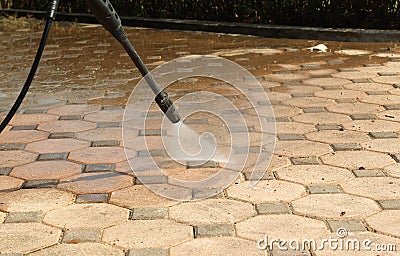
56	146
32	119
22	136
52	170
15	158
101	134
74	109
105	116
67	126
9	183
98	155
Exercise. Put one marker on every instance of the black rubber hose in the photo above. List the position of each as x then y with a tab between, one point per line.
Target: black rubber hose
30	77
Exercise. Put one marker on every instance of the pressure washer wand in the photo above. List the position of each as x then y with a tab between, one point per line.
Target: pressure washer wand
106	15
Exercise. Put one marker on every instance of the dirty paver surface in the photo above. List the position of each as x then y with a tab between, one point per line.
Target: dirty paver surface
66	187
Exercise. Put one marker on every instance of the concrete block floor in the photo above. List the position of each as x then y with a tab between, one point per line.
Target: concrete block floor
66	187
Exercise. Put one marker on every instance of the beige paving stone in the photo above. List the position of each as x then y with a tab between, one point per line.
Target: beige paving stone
73	109
358	159
356	75
95	183
139	196
285	111
314	174
101	134
301	148
212	211
217	246
393	170
337	136
383	145
266	191
278	96
368	87
372	126
34	200
370	250
387	79
9	183
297	89
15	158
327	81
22	136
148	233
289	77
26	237
335	206
52	170
381	99
99	155
56	146
2	217
378	188
322	118
390	115
106	116
309	102
294	128
321	72
276	163
86	216
281	226
67	126
340	94
87	249
354	108
386	222
31	119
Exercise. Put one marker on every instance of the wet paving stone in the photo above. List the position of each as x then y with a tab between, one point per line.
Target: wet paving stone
23	128
99	168
81	236
7	147
62	135
40	184
5	171
53	156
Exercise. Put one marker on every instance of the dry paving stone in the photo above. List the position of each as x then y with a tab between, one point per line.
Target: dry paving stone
268	191
51	170
340	94
386	222
148	233
393	170
217	246
309	102
294	128
73	109
322	118
26	237
327	81
372	126
368	87
67	126
314	174
22	137
107	155
281	226
56	145
2	217
86	249
384	145
358	159
9	183
34	200
354	108
31	119
100	134
301	148
335	206
211	211
378	188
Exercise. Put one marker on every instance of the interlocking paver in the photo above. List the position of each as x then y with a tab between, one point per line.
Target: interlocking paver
211	211
105	116
322	118
73	109
301	148
309	102
22	137
46	170
101	134
393	170
9	183
379	188
327	81
368	87
32	119
56	145
66	126
15	158
148	233
86	216
294	128
358	159
354	108
87	249
372	126
385	222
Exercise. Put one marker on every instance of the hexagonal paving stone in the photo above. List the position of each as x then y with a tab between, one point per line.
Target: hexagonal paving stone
327	81
212	211
383	145
381	99
322	118
138	196
87	249
15	158
314	174
355	75
296	88
393	170
56	146
87	216
294	128
354	108
34	200
301	148
148	233
94	183
73	109
286	111
101	134
9	183
387	79
267	191
379	188
386	222
67	126
358	159
337	136
368	87
309	102
22	136
106	116
31	119
99	155
340	94
27	237
52	170
372	126
286	77
223	245
335	206
282	226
